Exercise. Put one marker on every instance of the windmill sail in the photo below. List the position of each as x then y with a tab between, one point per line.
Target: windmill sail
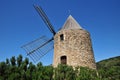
38	48
45	18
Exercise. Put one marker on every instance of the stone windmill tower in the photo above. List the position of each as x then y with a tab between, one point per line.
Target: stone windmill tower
72	46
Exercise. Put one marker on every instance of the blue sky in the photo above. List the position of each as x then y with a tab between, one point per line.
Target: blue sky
20	24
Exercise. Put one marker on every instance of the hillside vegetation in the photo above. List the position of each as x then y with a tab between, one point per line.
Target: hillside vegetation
19	69
109	68
107	63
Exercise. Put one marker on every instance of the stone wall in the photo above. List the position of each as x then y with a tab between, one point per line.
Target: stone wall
76	46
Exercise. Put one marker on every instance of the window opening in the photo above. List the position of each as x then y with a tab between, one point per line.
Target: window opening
61	37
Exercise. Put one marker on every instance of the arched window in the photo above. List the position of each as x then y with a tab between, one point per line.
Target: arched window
63	60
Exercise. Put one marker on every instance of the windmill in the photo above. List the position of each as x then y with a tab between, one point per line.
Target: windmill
72	44
39	47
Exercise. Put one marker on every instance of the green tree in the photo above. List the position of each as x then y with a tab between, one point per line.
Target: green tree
19	60
70	73
87	74
7	61
13	61
47	72
32	69
39	72
2	70
64	72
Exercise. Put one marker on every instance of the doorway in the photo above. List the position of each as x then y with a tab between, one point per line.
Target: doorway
63	60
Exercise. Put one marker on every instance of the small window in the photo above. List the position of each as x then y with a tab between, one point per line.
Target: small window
63	60
61	37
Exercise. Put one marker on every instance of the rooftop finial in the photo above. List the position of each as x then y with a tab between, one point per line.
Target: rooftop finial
69	12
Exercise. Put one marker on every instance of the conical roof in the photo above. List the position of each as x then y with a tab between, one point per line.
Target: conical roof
71	23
